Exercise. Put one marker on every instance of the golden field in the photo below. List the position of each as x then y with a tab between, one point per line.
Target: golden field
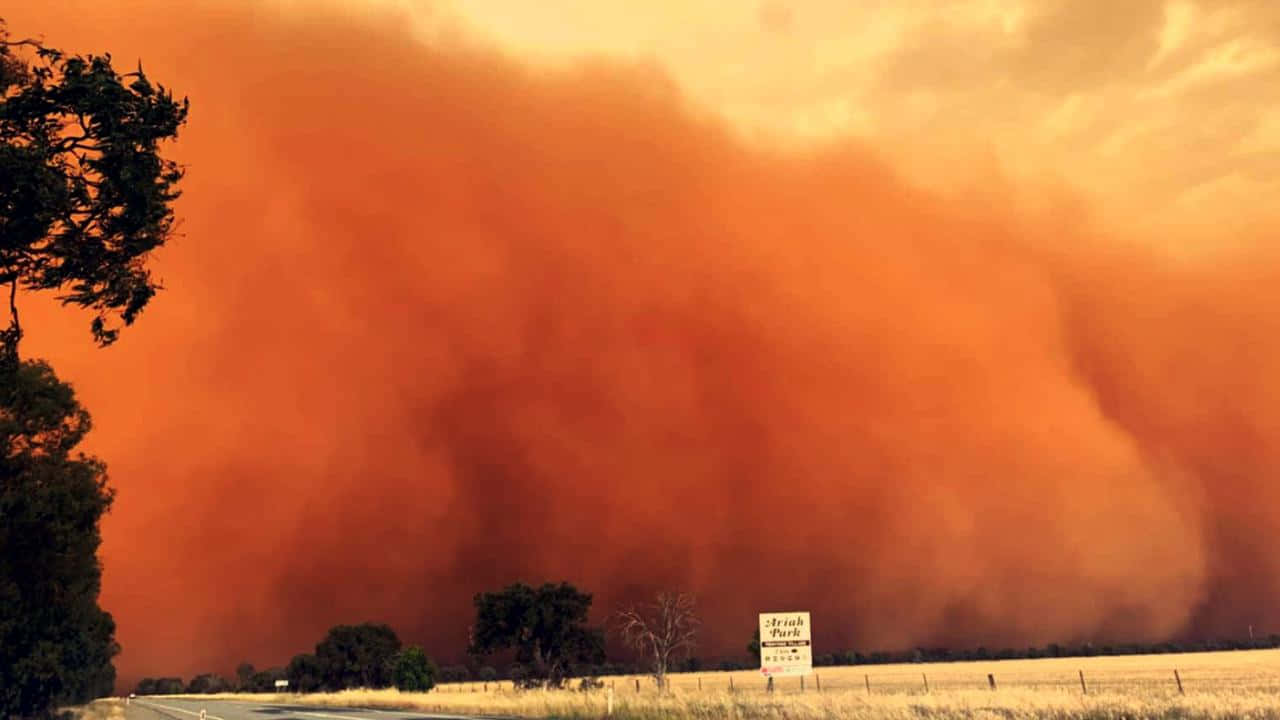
1242	684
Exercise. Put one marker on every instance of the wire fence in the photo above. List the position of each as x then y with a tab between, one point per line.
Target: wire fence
1138	674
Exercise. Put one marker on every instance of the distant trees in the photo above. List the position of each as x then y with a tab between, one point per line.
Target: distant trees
160	686
454	673
546	626
264	680
244	676
412	670
357	656
664	631
208	683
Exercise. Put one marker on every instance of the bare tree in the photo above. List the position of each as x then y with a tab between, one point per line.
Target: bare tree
662	630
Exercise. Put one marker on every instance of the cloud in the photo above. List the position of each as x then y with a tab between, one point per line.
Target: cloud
445	317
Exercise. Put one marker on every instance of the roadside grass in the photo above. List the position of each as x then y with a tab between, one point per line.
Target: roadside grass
1242	684
104	709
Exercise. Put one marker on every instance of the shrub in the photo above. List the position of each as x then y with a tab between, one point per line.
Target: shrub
412	670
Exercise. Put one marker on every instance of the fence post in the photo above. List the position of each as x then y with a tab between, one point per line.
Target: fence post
730	683
699	683
1178	677
817	679
637	685
770	685
867	680
991	679
926	682
1084	689
609	709
801	683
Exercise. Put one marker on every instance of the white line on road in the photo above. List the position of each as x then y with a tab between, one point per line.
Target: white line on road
178	709
327	716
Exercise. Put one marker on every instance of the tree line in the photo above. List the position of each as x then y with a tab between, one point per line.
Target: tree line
542	630
542	635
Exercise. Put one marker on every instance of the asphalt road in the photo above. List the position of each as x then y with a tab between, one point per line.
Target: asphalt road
176	709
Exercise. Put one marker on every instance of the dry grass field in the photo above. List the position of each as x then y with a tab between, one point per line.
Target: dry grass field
1244	684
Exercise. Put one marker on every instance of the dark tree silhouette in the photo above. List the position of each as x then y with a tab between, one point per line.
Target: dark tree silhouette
84	194
84	198
304	673
208	683
546	626
56	644
357	656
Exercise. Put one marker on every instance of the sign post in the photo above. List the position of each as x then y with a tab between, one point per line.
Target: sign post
786	644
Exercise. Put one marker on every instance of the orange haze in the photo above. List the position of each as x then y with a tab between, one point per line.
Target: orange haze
441	320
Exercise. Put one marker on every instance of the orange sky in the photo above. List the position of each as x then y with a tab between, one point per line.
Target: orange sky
951	323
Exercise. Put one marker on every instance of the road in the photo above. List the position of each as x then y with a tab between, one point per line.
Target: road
184	709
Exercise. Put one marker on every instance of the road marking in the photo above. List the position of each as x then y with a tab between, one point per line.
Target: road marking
353	715
178	709
328	716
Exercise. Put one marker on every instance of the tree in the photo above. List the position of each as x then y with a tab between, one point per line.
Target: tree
56	644
264	680
357	656
662	631
304	673
753	647
412	670
169	686
84	194
84	198
244	676
208	683
546	626
454	674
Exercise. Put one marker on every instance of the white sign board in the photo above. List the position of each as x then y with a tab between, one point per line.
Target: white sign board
786	644
282	683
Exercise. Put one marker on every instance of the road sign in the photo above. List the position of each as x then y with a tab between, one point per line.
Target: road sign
282	683
786	644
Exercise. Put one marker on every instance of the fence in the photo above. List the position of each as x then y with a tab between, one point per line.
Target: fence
1241	671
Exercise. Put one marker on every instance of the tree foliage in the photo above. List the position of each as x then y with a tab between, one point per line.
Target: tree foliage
412	670
304	673
208	683
244	675
545	625
84	198
357	656
160	686
56	644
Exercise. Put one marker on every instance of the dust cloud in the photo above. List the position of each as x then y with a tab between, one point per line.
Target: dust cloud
441	320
